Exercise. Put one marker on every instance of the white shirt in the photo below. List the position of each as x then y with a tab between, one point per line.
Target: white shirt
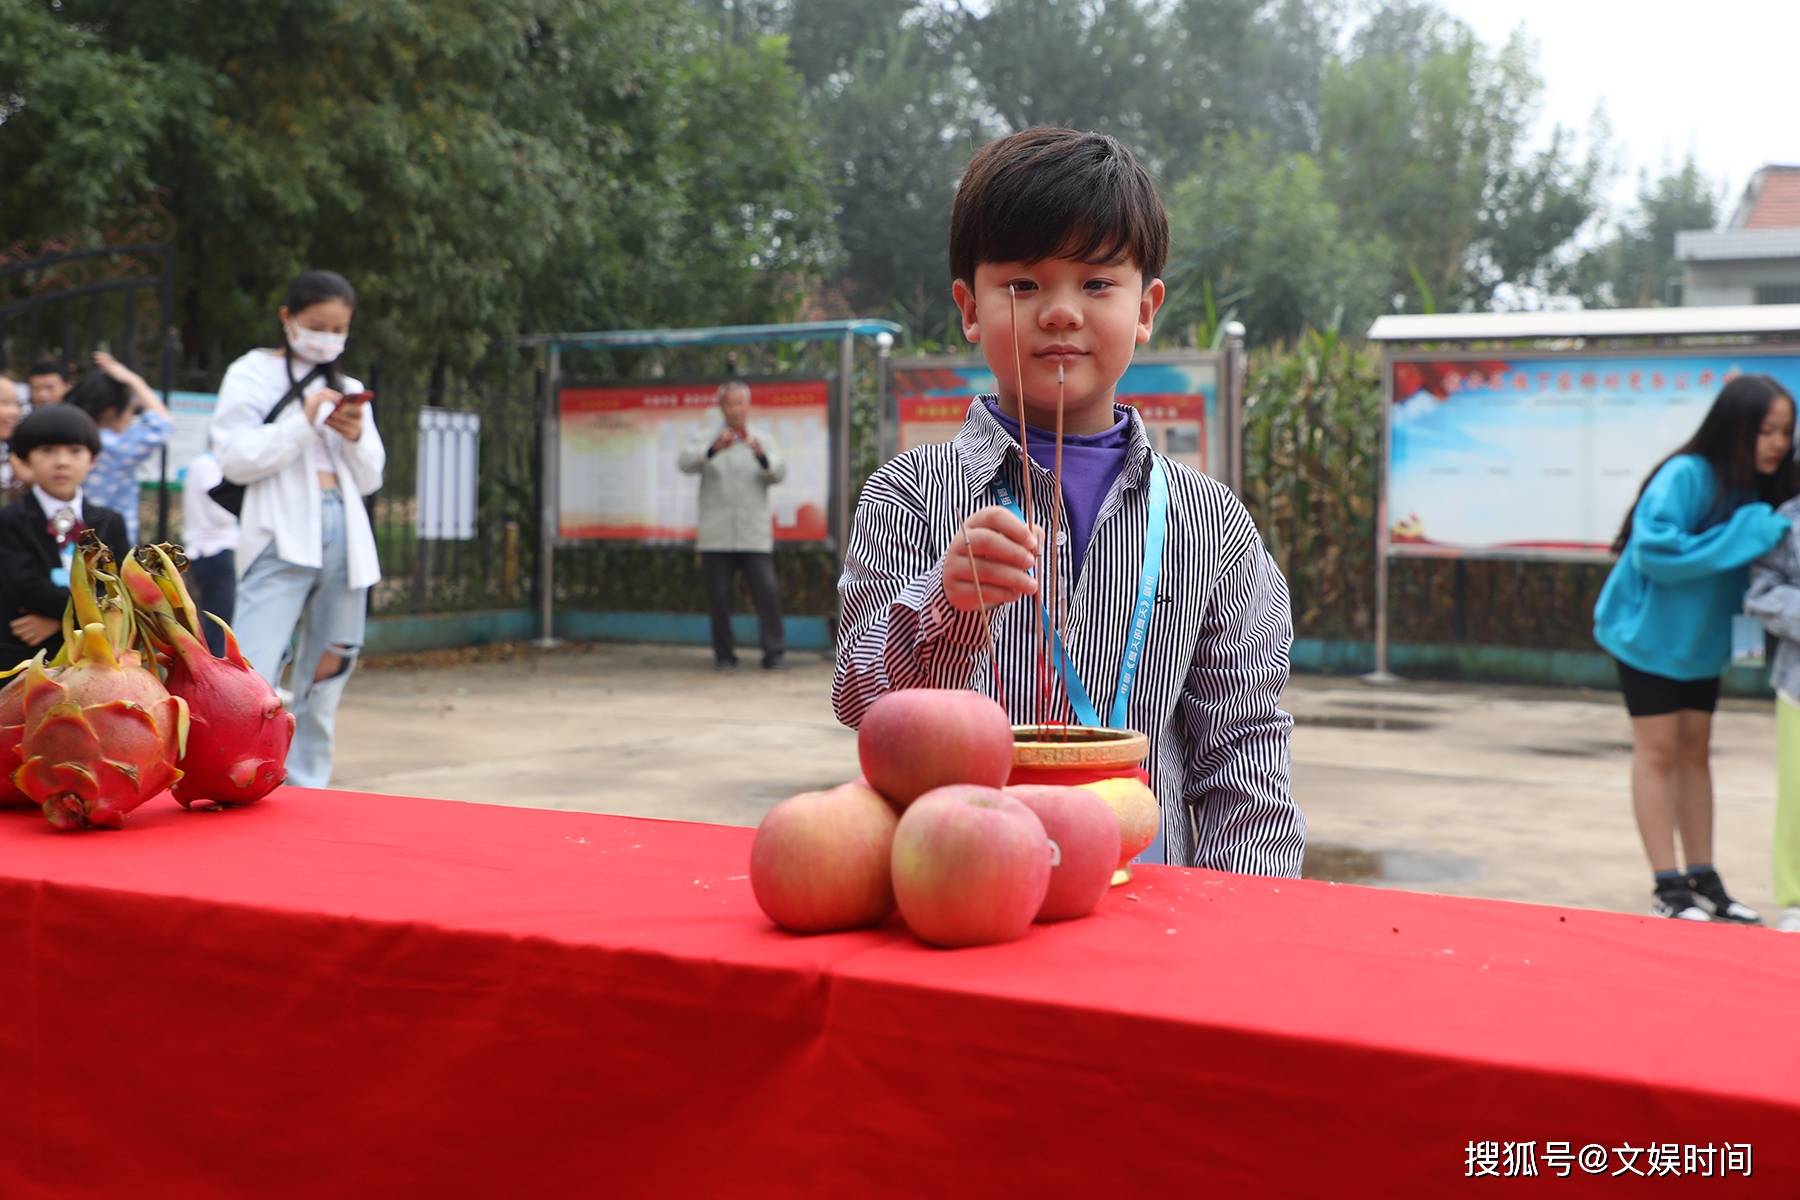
318	453
206	529
51	505
282	499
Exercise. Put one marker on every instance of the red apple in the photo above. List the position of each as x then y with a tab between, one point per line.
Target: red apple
917	739
822	860
1137	809
971	866
1086	835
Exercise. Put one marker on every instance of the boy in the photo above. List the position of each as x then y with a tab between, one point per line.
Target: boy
38	531
48	380
1065	230
133	425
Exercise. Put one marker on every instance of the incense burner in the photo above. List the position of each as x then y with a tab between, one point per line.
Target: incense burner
1072	755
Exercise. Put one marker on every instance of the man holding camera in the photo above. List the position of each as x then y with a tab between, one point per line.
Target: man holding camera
737	466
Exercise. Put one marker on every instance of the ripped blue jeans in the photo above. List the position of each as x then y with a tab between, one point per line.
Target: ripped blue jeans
276	600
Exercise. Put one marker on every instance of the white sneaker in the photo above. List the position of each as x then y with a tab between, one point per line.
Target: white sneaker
1679	903
1790	921
1708	891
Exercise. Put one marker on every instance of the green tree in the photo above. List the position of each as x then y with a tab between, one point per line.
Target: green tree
478	167
1254	229
1078	64
1244	66
1425	132
897	127
828	38
902	97
1412	139
1635	265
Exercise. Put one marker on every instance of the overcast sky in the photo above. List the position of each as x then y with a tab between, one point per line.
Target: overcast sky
1717	78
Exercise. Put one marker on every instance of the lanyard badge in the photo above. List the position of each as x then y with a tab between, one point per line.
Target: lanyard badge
1155	534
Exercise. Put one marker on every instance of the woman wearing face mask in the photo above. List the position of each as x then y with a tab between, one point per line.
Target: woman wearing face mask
301	438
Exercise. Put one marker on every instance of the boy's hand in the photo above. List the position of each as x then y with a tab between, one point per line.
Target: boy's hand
34	630
141	393
1004	551
114	369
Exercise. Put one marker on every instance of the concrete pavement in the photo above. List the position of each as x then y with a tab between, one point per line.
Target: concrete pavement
1519	794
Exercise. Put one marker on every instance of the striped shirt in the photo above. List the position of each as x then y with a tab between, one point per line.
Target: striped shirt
1215	662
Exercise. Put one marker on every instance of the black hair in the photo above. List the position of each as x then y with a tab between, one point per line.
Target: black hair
99	395
48	366
310	288
1049	192
55	425
316	287
1726	439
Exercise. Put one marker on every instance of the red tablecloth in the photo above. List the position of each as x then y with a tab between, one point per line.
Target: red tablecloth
347	996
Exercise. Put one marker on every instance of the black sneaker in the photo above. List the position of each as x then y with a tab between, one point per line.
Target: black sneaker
725	664
1709	892
1676	901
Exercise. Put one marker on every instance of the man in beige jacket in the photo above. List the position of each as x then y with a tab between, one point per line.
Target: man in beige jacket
737	466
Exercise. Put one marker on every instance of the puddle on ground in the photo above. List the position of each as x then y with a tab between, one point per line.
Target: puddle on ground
1379	723
1358	864
775	792
1581	749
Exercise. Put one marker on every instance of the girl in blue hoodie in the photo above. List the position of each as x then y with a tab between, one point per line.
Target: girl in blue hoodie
1702	517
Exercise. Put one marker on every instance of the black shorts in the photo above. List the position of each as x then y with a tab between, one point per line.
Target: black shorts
1648	695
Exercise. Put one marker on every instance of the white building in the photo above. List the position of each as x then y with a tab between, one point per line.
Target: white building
1755	259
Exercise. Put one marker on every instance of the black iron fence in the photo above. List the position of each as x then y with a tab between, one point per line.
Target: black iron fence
61	304
495	568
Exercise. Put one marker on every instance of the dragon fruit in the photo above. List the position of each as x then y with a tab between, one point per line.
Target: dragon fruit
113	610
102	735
12	734
239	734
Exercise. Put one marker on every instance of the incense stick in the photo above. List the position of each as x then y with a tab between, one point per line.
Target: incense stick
987	620
1057	611
1012	297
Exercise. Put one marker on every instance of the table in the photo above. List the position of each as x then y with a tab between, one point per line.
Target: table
344	995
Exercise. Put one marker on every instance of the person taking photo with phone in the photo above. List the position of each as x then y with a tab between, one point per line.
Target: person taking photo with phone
296	433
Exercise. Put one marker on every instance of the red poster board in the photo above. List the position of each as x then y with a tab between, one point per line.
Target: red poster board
619	477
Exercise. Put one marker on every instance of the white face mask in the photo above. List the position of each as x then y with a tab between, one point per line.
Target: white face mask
315	346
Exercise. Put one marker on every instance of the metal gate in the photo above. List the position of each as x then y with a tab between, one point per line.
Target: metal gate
63	305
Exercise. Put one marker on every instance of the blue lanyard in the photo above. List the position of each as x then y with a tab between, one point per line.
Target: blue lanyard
1154	536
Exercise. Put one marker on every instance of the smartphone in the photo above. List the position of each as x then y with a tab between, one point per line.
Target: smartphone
359	397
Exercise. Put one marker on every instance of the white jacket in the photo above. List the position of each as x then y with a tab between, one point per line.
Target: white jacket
734	490
282	497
